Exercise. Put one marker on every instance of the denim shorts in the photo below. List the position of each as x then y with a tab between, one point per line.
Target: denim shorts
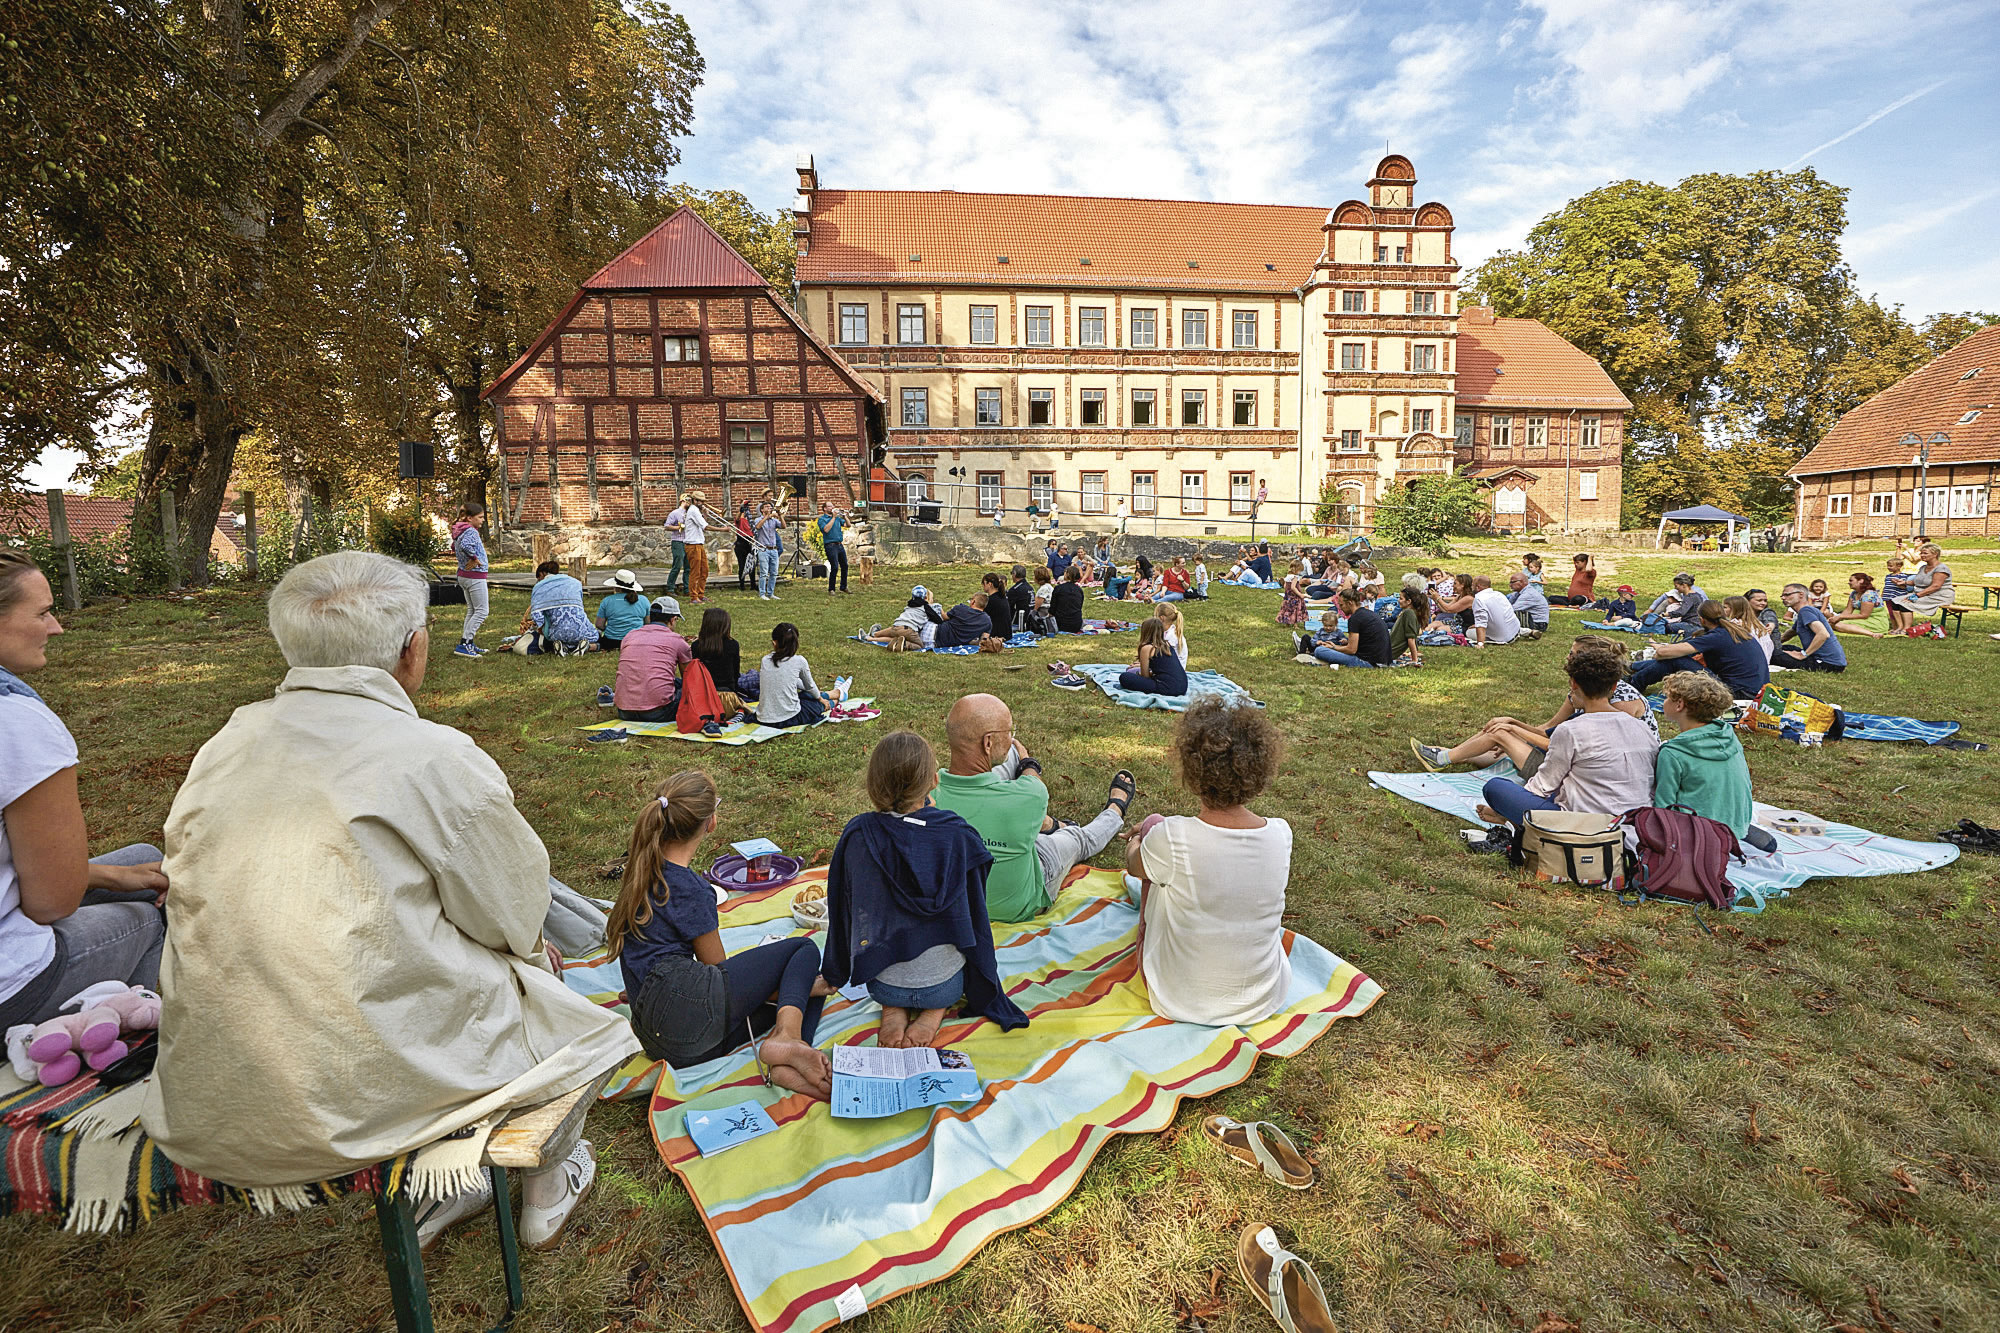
943	995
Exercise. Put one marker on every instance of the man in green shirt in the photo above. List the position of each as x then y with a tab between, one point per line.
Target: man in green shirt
995	785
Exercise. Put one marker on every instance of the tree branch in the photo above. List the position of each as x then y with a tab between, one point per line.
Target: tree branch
325	70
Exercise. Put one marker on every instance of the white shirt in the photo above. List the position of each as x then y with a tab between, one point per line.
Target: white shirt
1178	642
1214	948
1598	762
694	524
1491	608
34	746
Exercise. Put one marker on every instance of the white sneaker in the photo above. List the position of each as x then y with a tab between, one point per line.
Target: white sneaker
541	1228
434	1219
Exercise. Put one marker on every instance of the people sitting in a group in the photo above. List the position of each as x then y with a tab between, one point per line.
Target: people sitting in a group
999	610
1368	580
1157	670
1525	596
1201	578
1045	587
1493	618
996	785
66	923
1817	595
1366	642
623	609
1145	587
1454	608
787	694
556	618
1681	605
1174	582
1895	583
915	626
1292	604
1582	582
1601	759
1621	609
1260	563
1727	648
1818	649
906	901
1525	746
1929	588
1020	598
965	624
722	657
1702	765
1866	614
1404	646
1066	604
1531	568
354	966
1212	885
647	687
1114	582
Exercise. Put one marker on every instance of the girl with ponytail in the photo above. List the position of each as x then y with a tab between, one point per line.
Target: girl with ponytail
690	1002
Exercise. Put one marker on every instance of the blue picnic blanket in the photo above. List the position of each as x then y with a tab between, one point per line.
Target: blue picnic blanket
1870	726
1199	683
1021	640
1251	583
1615	629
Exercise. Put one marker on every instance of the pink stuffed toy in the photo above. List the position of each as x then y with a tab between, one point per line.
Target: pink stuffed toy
94	1034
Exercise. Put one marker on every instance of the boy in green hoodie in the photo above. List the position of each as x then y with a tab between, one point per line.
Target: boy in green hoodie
1703	767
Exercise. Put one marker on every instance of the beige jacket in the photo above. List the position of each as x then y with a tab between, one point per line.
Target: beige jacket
353	965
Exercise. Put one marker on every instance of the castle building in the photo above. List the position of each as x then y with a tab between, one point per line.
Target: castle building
1178	359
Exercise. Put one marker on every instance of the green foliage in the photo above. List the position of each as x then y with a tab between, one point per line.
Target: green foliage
120	480
1429	512
765	239
405	532
108	564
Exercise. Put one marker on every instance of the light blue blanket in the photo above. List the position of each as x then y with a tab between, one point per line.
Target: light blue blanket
1871	726
1199	683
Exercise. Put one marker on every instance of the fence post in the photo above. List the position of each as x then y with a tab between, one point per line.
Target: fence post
65	552
250	534
170	533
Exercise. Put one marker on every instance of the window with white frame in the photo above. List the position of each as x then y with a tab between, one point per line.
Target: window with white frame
1503	432
1937	502
1510	500
915	488
1090	326
985	324
1838	506
985	407
910	323
1090	407
1882	504
1242	492
1143	404
1591	431
1243	407
1354	356
1145	327
1194	407
1194	496
1462	431
680	349
1381	254
916	407
991	490
1091	484
1350	442
1423	418
1424	356
1402	254
1040	321
1536	434
1968	502
1145	493
1586	485
1243	328
853	322
1041	407
1354	303
1042	490
1970	417
1194	328
1423	303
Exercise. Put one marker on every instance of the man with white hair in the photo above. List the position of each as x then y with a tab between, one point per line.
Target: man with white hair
354	967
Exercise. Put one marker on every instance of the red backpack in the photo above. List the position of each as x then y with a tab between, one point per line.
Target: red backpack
699	701
1682	856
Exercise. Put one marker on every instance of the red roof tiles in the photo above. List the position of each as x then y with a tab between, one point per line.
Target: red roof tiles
870	236
1506	362
682	252
1935	398
88	516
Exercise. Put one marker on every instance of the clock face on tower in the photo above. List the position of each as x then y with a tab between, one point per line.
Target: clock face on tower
1393	196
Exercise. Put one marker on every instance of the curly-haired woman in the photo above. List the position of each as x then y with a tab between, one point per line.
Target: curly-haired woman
1212	897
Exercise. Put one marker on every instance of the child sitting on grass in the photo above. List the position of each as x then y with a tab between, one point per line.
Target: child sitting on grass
1158	671
1703	767
788	696
690	1003
1212	885
906	903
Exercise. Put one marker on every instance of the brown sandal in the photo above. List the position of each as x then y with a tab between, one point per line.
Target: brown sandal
1262	1145
1283	1283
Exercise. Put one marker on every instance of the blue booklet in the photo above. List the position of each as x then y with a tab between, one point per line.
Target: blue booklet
722	1128
870	1081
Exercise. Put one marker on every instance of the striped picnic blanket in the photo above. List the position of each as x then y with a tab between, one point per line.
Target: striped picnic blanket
1199	683
827	1207
1873	726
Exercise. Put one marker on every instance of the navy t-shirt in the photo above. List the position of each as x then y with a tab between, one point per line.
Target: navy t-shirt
963	625
1829	652
1739	662
687	915
1374	645
1262	564
1168	671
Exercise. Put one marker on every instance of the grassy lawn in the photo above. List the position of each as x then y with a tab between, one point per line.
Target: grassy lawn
1564	1114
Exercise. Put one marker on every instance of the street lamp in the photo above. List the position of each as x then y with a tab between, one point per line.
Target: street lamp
1923	462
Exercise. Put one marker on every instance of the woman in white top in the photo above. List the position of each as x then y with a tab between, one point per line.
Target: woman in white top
787	694
1170	616
66	923
1930	588
1600	760
1212	886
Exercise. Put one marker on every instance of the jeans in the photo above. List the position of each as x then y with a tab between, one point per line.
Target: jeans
665	712
836	564
1512	801
677	569
1064	849
1645	675
111	936
1334	657
1171	597
943	995
1115	588
1785	657
812	711
767	571
1130	679
477	601
762	981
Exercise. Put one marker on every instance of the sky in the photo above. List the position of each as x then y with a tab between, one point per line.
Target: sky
1507	110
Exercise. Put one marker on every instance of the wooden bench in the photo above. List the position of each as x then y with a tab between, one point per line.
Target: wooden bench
530	1139
1956	614
1988	594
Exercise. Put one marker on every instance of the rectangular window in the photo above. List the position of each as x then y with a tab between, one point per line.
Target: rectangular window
1145	493
916	407
1090	326
1092	485
1243	408
1423	418
1424	356
1968	502
1194	498
1936	501
1194	407
990	484
910	323
1090	407
1586	485
1423	303
1350	441
1243	328
1042	490
1381	254
1503	432
1146	328
1354	356
853	322
1882	504
1836	506
1194	328
1041	325
673	348
1536	436
985	324
1462	430
1354	303
1402	255
1242	493
1592	432
1041	407
746	451
985	407
1142	408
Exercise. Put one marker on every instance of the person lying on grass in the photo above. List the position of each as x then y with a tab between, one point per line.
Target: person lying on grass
1702	767
1157	671
690	1002
1525	746
965	624
1212	885
906	903
995	785
1599	760
915	626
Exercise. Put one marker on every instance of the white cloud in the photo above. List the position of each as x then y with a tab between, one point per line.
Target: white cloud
1625	65
1892	107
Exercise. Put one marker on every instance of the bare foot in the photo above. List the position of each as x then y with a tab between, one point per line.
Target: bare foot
923	1029
1490	815
822	987
799	1067
894	1022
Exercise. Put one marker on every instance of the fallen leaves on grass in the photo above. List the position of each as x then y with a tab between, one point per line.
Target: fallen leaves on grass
1074	1327
1428	920
1555	1323
1423	1131
1510	1259
1903	1181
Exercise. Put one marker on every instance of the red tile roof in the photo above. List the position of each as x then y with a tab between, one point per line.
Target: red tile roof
88	516
869	236
682	252
1504	362
1932	399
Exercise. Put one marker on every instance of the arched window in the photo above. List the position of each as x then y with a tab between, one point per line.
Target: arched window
915	488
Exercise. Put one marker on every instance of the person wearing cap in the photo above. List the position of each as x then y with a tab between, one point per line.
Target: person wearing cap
623	609
1621	607
832	525
648	685
769	531
676	526
915	626
694	527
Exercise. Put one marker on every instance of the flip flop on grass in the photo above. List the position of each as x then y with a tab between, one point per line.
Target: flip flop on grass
1123	788
1262	1145
1283	1283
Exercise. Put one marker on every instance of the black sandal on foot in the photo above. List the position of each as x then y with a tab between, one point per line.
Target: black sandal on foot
1122	780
